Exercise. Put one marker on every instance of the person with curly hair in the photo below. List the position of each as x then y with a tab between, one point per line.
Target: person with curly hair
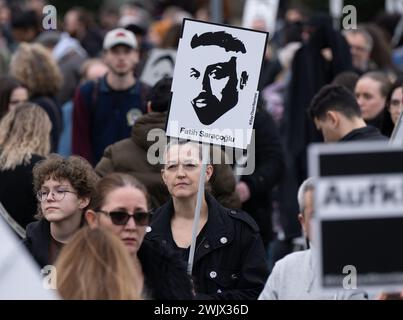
35	68
24	140
64	189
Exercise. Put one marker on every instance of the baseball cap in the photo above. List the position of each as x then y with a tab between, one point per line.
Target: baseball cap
119	36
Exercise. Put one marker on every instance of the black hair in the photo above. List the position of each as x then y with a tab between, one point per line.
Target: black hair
25	20
347	79
7	85
167	57
160	95
221	39
335	98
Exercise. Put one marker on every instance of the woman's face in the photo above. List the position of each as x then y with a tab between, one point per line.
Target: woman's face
59	201
369	98
17	96
125	199
182	170
396	104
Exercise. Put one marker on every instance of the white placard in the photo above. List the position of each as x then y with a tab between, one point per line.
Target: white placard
265	10
359	196
394	6
160	63
215	84
396	139
358	218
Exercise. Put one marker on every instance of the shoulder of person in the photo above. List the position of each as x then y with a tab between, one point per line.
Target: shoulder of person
36	158
119	146
88	86
155	212
242	216
36	227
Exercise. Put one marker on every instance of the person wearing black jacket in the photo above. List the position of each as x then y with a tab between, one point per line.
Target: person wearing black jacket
323	56
230	260
255	190
64	188
337	115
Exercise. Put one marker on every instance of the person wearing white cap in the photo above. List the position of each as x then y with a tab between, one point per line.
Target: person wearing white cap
106	109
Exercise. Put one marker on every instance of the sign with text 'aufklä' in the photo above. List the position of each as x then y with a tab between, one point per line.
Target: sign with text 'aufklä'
358	215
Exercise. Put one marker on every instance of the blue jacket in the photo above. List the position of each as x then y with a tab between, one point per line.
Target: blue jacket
103	116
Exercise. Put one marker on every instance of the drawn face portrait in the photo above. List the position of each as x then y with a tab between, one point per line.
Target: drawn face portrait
163	67
215	75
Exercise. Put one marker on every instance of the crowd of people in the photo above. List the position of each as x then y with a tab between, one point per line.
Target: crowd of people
75	177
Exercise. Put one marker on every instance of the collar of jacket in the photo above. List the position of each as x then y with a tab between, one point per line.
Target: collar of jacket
219	230
104	86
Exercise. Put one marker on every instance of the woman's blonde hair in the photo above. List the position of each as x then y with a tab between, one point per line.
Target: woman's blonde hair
95	265
24	130
35	67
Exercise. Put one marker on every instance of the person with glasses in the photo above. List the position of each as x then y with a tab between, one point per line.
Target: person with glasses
229	259
121	206
64	188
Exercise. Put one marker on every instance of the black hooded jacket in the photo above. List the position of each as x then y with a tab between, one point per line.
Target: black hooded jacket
229	261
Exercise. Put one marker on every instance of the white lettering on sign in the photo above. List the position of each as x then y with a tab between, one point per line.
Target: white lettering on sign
364	195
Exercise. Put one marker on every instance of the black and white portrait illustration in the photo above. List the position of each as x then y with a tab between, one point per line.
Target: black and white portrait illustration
216	76
160	63
217	80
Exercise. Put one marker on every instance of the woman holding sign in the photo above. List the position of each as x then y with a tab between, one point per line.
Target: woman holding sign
229	259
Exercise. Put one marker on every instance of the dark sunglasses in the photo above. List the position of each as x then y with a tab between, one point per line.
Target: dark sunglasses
120	218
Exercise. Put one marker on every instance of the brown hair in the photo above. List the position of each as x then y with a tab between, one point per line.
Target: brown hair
95	265
35	67
112	182
383	80
24	131
74	169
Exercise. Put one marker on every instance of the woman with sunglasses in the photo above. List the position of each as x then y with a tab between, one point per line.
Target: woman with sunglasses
64	188
121	206
229	259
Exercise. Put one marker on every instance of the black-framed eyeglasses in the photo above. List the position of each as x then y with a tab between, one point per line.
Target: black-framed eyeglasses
57	194
120	218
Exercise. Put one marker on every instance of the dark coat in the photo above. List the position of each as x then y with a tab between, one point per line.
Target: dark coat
310	72
54	111
367	133
130	156
164	273
16	192
269	169
229	261
37	241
